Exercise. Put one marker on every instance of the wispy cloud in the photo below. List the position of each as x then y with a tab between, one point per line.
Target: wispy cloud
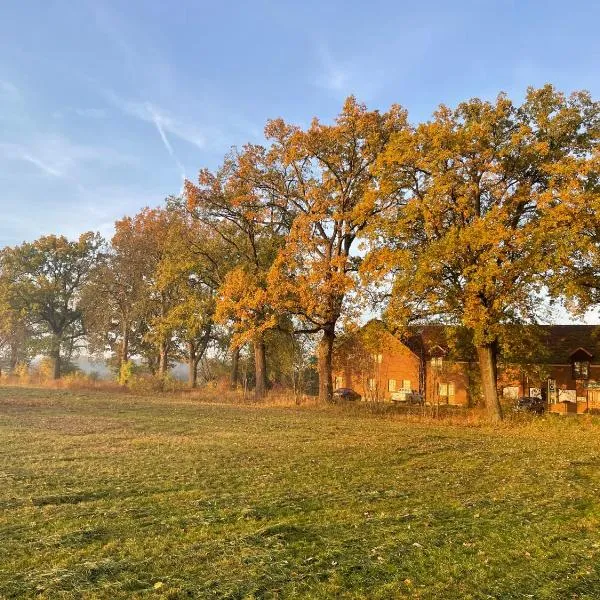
49	169
20	153
149	112
100	206
91	113
334	75
163	98
157	118
343	69
59	157
9	89
81	209
84	113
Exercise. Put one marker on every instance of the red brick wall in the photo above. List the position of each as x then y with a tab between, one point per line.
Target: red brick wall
398	364
450	373
563	374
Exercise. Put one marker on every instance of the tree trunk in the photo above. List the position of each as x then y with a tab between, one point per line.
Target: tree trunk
325	360
192	365
163	360
487	355
235	369
124	350
260	363
14	358
56	357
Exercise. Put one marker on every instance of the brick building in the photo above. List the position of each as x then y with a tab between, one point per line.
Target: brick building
560	363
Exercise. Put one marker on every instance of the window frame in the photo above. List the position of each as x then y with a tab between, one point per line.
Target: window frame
437	362
577	369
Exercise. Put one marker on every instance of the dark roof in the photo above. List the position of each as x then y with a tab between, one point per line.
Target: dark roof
440	340
539	344
562	341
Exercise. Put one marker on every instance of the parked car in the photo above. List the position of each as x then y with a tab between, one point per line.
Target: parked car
408	397
346	394
415	398
531	404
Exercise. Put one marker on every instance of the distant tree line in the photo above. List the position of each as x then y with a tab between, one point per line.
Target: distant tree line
470	218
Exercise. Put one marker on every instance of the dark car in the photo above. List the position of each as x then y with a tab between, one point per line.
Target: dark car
531	404
415	398
346	394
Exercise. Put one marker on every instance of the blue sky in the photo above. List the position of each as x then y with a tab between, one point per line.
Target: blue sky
105	105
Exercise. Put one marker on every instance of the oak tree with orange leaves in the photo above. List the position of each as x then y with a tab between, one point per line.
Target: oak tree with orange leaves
114	299
473	239
322	180
232	203
125	302
576	266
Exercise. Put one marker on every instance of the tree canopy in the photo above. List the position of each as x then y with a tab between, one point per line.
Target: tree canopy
471	218
472	240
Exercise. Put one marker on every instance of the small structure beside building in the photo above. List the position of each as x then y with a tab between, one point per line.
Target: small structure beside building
559	363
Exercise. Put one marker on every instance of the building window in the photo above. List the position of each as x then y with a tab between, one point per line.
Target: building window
406	384
339	382
372	384
378	358
446	390
392	385
437	362
581	369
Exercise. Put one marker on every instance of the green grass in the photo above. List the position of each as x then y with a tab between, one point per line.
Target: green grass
122	497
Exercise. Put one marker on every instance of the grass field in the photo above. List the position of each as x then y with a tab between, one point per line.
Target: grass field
122	497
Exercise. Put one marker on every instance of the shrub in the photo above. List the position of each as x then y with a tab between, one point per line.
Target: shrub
151	384
22	372
125	372
45	369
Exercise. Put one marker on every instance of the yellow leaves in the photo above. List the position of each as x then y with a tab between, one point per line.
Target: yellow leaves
330	195
191	194
487	188
460	209
245	302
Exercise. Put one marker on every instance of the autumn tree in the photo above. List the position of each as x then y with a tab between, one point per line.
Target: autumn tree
42	281
114	300
149	233
16	340
575	273
234	204
322	180
126	304
471	240
190	271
